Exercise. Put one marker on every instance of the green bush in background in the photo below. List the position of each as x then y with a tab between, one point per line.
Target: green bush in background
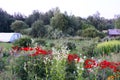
40	42
23	42
70	45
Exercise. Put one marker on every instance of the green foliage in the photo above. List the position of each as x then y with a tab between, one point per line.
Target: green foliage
5	21
117	23
38	29
85	26
56	34
107	47
28	68
2	64
26	31
90	32
89	49
71	71
18	26
40	42
101	34
23	42
59	22
79	32
6	46
70	45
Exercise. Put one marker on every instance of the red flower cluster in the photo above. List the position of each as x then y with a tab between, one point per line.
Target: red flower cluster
38	51
112	65
90	63
27	49
73	57
16	48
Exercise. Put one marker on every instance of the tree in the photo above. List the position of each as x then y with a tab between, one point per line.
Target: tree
97	21
19	16
59	22
74	24
18	25
117	22
38	29
33	17
5	21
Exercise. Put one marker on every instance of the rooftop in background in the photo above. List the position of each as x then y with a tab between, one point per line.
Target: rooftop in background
114	32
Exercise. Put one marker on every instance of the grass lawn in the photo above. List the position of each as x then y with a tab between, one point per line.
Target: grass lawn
6	46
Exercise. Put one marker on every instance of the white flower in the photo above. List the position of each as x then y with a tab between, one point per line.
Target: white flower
78	67
99	60
84	57
81	60
80	54
92	57
82	68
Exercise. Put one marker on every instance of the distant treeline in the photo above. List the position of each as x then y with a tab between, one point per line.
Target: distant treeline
54	24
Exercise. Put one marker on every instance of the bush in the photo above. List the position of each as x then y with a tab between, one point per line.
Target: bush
52	44
71	71
56	34
40	42
23	42
70	45
2	64
90	32
29	68
89	50
107	47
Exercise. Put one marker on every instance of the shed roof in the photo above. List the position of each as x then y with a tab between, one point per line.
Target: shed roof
114	31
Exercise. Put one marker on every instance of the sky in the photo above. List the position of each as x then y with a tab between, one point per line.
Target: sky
82	8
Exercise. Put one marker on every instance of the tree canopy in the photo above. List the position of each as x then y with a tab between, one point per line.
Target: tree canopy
40	24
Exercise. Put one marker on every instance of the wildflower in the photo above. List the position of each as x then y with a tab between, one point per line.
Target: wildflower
27	48
111	78
104	64
16	48
84	57
81	60
72	57
114	66
90	70
90	63
82	69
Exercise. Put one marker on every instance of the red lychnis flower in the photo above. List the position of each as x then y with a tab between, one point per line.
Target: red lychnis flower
72	57
27	48
90	63
104	64
15	48
114	66
39	51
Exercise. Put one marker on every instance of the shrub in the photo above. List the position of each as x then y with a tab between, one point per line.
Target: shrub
23	42
56	34
92	33
2	64
52	44
89	49
107	47
40	42
29	68
71	71
70	45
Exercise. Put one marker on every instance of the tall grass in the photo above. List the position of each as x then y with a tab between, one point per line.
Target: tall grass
107	47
